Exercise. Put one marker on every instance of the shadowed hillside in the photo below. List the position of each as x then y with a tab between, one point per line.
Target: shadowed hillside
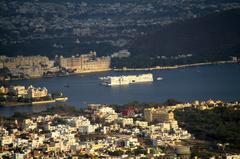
209	38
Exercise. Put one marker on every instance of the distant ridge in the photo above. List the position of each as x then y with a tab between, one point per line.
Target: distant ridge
215	36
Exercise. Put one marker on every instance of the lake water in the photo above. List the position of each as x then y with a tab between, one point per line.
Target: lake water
185	84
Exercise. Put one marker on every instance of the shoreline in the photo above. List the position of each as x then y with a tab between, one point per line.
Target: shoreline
15	104
66	75
138	69
175	66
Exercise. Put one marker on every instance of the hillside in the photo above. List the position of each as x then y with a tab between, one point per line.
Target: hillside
212	37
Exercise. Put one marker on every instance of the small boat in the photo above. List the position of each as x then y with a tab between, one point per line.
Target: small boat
67	86
159	78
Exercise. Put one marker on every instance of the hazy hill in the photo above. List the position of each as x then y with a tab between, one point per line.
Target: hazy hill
212	37
213	34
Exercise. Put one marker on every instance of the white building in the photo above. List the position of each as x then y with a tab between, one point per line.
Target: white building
82	124
126	121
106	113
125	80
19	156
86	129
78	121
131	142
121	54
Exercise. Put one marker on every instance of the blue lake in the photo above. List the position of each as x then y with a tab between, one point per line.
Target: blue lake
185	84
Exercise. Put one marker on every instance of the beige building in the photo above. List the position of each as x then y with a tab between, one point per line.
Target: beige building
31	71
125	121
142	124
158	114
85	63
33	92
6	140
18	90
30	92
3	90
14	62
32	66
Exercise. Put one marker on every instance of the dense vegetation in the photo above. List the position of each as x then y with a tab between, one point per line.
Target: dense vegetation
210	38
219	124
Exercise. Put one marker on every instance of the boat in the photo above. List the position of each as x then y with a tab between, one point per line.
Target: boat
126	80
67	86
159	78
